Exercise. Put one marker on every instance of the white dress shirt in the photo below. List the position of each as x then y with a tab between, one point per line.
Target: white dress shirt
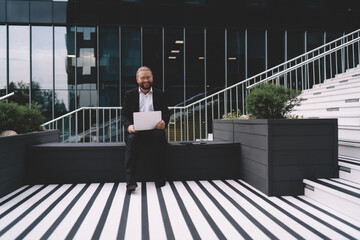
146	101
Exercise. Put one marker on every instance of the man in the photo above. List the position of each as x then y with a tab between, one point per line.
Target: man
141	99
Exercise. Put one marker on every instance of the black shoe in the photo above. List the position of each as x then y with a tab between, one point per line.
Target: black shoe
159	184
131	187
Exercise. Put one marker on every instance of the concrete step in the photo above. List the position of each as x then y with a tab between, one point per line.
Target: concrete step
349	148
342	197
328	92
349	169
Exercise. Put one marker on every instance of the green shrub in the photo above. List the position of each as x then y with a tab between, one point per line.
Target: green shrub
20	118
267	101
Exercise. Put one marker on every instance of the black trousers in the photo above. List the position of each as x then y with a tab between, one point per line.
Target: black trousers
154	143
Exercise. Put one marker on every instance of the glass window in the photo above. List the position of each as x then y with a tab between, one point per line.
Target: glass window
295	47
275	48
174	65
2	11
109	66
152	53
40	12
256	52
236	56
333	62
215	60
314	40
195	82
86	69
18	11
43	98
19	61
59	12
130	57
64	101
3	61
42	58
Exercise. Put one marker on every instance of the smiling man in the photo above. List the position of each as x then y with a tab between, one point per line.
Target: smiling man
143	99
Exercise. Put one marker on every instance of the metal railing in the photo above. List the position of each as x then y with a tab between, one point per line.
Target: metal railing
7	95
194	121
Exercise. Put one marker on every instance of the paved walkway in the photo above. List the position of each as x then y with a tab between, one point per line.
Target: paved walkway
228	209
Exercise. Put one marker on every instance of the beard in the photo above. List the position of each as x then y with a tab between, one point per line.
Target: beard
146	86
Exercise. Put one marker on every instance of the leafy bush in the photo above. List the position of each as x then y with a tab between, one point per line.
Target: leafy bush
20	118
271	101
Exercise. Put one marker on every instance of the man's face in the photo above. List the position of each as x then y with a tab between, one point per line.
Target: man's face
145	79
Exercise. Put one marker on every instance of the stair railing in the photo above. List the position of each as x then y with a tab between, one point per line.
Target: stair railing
7	95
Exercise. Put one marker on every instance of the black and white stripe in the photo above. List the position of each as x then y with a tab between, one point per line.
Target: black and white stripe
228	209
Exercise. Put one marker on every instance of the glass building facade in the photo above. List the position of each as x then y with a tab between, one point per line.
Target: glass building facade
70	54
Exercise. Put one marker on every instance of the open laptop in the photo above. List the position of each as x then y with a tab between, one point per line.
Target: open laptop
146	120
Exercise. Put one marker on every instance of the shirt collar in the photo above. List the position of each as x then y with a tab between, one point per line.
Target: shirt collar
151	90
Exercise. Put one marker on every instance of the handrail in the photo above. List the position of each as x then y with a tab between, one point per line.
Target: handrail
7	95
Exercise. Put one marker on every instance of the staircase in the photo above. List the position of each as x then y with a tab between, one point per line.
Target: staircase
337	97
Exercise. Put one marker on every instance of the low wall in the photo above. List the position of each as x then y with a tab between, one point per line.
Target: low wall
13	154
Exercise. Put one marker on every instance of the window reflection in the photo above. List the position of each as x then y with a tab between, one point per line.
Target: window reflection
19	59
130	57
195	83
42	57
236	56
109	66
3	61
174	65
256	52
86	71
152	53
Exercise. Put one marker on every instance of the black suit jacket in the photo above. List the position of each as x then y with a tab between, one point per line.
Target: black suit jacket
131	105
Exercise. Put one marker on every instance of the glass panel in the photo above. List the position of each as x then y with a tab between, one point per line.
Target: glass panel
195	82
215	60
3	61
295	44
109	67
174	65
19	62
236	56
64	38
256	52
40	12
42	58
18	11
333	62
43	98
59	12
2	11
152	53
86	66
64	102
130	57
275	47
314	40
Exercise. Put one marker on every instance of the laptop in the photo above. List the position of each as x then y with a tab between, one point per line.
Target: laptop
146	120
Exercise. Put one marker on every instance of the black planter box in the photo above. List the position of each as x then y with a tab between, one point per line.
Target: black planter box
277	154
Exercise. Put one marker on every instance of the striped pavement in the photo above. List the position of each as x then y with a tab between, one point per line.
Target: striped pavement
219	209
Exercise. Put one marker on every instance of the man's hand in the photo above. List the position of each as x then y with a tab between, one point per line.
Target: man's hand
131	129
160	125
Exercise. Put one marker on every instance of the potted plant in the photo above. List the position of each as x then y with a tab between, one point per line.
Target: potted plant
279	150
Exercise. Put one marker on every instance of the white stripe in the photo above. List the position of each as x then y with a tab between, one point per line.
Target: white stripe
202	226
36	212
298	228
17	199
353	184
12	193
180	229
309	220
23	207
46	223
334	222
112	223
68	222
133	226
249	227
221	221
156	222
87	228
